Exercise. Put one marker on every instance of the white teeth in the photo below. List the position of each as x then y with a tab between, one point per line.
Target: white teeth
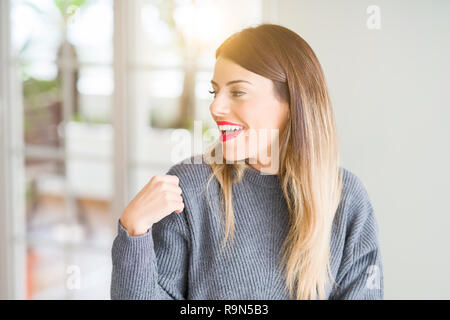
230	128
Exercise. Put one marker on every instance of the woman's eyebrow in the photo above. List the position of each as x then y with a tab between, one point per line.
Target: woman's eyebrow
231	82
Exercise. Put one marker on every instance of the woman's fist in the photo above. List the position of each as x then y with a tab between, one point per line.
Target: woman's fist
160	197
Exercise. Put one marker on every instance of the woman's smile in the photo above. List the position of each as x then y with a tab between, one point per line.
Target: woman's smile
229	130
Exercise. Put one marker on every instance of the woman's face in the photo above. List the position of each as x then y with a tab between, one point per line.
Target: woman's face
249	100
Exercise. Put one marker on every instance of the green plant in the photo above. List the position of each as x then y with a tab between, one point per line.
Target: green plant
67	8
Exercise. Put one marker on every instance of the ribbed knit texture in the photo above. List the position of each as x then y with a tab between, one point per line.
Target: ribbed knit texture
180	256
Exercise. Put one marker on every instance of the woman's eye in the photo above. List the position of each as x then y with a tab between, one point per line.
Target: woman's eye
234	93
237	93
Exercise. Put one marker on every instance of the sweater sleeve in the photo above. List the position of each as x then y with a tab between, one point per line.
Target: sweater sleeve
152	266
360	276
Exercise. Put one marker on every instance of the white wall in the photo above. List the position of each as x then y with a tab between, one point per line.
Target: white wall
390	89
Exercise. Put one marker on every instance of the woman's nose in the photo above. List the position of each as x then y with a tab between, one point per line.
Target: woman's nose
219	108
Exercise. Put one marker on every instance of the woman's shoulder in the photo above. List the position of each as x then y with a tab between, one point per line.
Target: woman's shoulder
352	185
356	205
192	171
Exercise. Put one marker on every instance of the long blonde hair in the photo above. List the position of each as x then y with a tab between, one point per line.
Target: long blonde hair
309	161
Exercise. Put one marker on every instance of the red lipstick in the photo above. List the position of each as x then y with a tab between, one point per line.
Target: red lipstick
223	123
225	137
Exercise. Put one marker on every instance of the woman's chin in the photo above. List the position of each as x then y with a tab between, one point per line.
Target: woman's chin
233	157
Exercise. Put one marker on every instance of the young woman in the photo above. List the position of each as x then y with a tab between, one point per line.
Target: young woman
303	228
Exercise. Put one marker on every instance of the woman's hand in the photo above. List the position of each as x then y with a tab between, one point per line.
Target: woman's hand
160	197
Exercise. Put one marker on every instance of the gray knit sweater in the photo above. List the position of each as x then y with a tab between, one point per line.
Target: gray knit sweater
180	258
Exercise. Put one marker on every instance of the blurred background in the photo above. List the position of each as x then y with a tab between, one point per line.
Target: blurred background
92	90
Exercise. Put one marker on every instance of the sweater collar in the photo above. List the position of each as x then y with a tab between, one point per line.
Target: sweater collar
257	177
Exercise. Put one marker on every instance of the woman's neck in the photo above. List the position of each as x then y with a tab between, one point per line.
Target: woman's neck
264	169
